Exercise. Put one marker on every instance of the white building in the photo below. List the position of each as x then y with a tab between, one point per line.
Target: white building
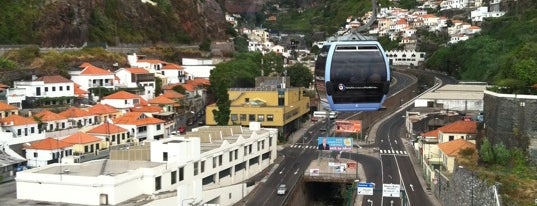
79	117
45	86
142	126
89	76
24	129
198	68
456	97
53	121
405	57
480	13
174	73
136	78
123	101
47	151
208	166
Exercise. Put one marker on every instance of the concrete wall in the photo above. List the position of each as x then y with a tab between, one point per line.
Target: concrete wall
510	119
464	188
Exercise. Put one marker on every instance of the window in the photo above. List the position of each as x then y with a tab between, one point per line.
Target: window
258	146
220	160
158	185
181	174
164	155
46	89
203	166
234	117
68	88
249	149
126	102
173	177
246	99
237	154
245	150
260	117
451	137
251	117
32	130
61	88
243	118
35	154
196	164
214	162
270	117
53	89
231	156
158	126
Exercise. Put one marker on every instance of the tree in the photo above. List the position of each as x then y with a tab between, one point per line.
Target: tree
300	75
179	89
502	154
272	64
205	45
158	86
221	116
486	152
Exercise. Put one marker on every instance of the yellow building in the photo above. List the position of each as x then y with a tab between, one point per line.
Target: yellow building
272	107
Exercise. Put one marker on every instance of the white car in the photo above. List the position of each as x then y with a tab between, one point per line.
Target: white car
282	189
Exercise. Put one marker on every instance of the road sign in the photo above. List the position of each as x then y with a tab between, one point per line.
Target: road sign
391	190
365	188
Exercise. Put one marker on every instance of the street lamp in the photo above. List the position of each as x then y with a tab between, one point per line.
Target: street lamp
370	202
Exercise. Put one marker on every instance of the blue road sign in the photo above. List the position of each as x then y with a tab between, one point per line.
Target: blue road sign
365	188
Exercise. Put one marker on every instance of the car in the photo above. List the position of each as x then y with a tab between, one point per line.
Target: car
181	130
282	189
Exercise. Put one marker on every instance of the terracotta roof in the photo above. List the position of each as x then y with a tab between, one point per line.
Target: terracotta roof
93	70
433	133
172	66
137	118
53	79
122	95
102	109
161	100
453	147
147	108
75	112
200	81
189	86
84	65
80	92
107	128
170	94
137	70
81	138
461	126
48	143
4	107
3	86
47	116
170	86
17	120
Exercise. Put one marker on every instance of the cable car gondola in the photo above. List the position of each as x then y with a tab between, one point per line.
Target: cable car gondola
356	76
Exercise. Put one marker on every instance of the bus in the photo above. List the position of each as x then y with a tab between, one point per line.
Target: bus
322	114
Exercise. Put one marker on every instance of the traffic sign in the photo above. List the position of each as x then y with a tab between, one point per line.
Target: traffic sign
391	190
365	188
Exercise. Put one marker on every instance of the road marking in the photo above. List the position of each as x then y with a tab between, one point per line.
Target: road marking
296	172
412	187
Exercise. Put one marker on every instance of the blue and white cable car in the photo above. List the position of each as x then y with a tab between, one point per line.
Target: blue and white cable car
357	76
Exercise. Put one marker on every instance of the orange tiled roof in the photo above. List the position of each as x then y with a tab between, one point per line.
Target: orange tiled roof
170	94
137	118
453	147
84	65
161	100
147	108
107	128
170	86
201	81
75	112
80	92
137	70
189	86
3	86
53	79
93	70
47	116
48	144
123	95
81	138
461	126
433	133
102	109
17	120
172	66
4	107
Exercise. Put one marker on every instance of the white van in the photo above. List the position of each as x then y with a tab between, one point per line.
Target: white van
322	114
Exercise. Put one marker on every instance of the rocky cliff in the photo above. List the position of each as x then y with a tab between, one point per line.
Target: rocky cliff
56	23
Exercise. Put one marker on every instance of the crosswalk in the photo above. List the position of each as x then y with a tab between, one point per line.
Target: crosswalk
301	146
397	152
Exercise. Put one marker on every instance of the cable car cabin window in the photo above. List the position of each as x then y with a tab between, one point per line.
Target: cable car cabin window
358	74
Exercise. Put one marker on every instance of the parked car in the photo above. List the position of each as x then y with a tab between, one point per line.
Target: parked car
282	189
182	129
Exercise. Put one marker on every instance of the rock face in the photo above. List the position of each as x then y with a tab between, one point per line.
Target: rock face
73	22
